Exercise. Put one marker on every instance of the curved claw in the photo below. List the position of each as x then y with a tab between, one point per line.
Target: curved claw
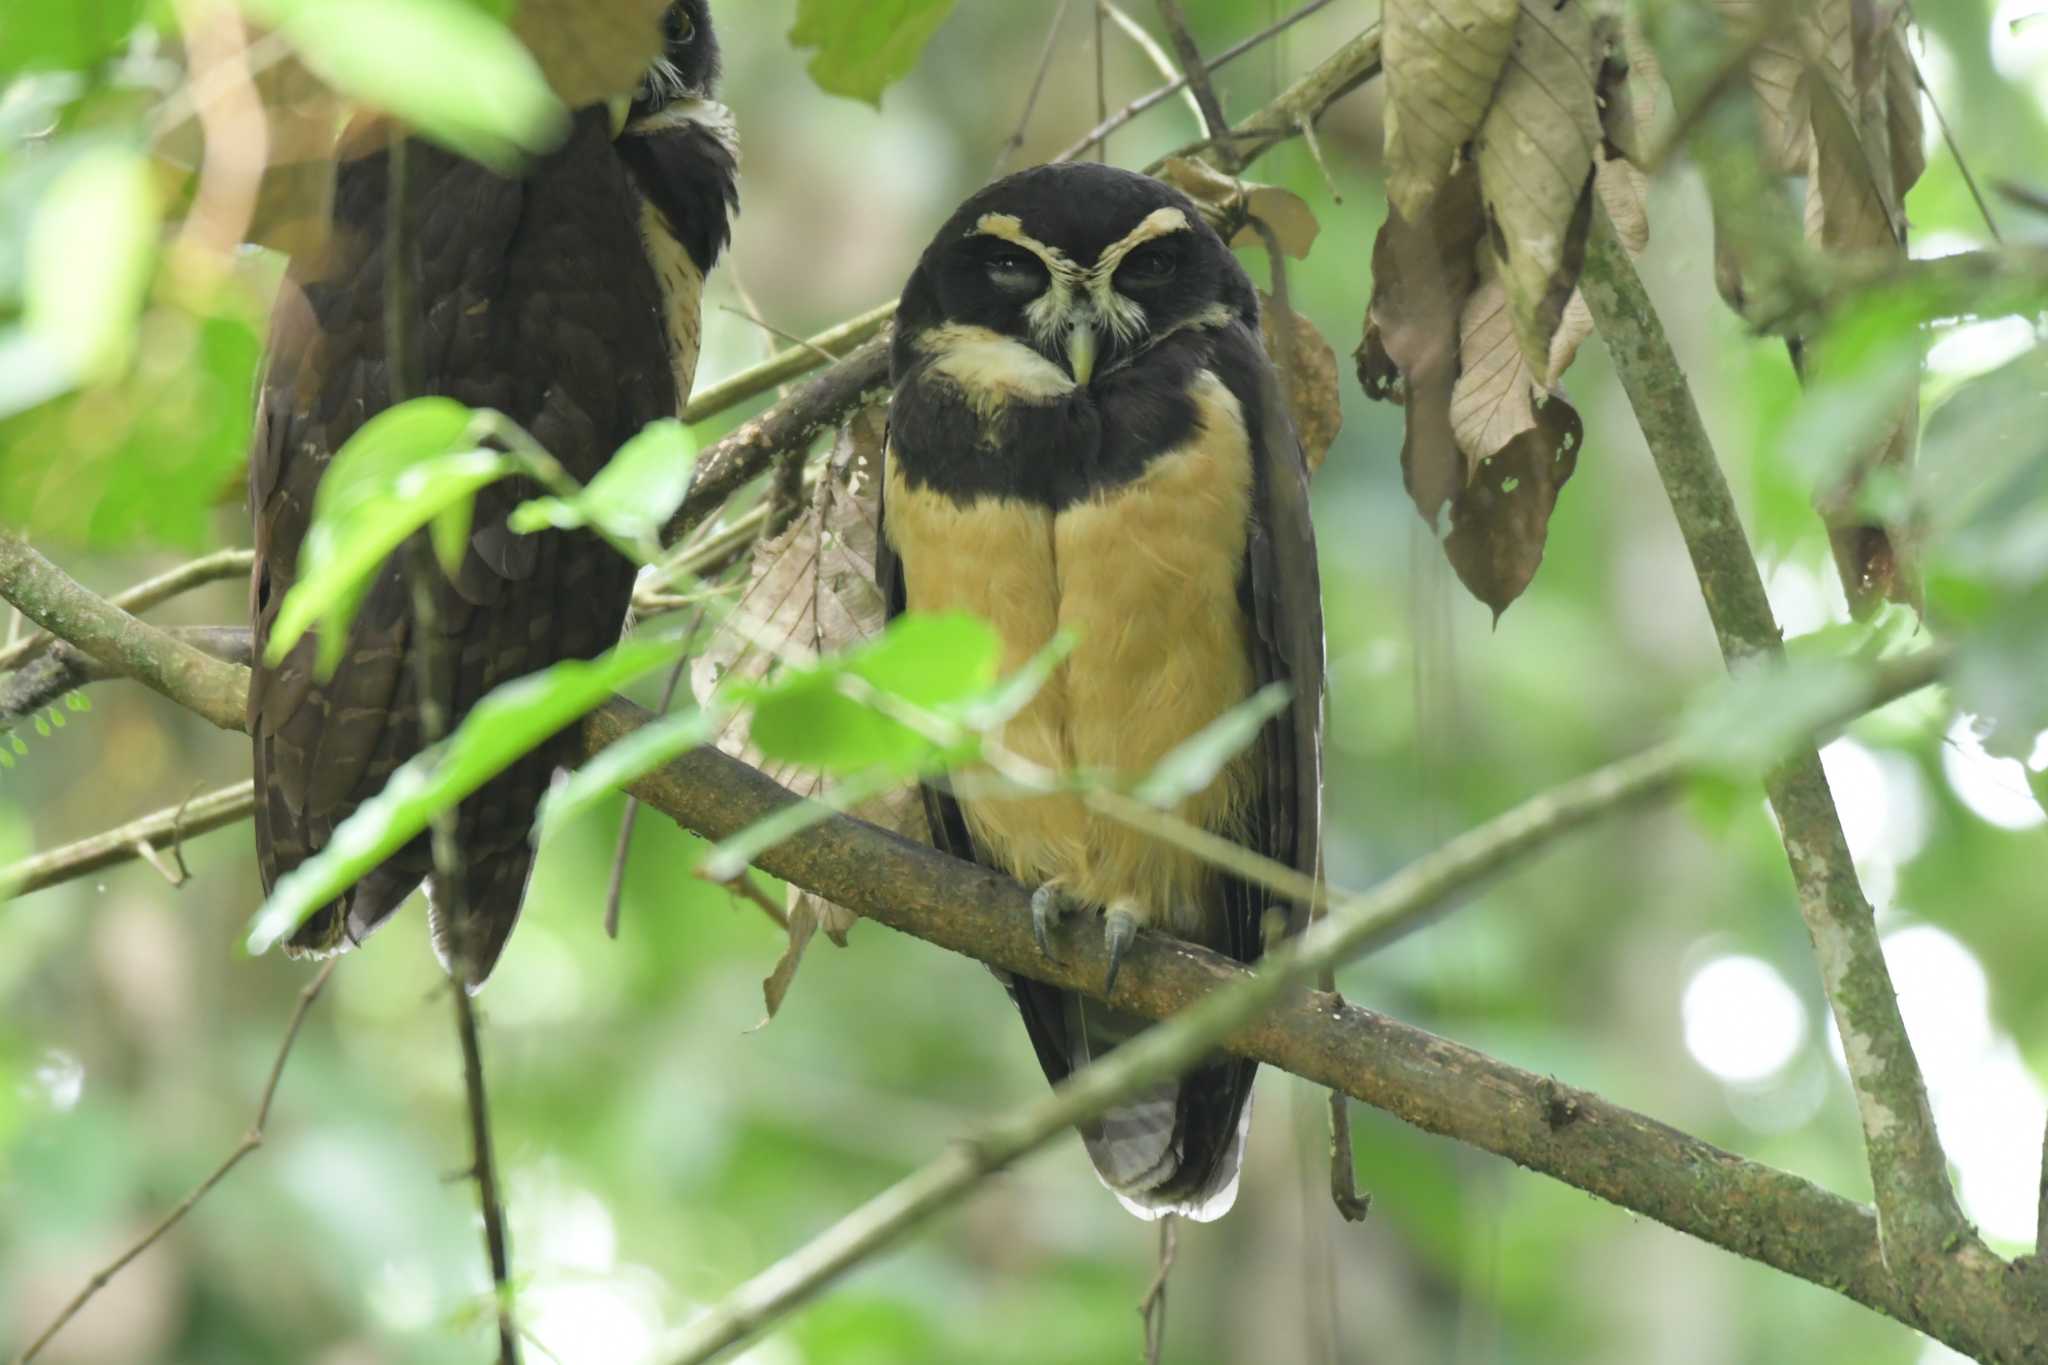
1119	932
1048	907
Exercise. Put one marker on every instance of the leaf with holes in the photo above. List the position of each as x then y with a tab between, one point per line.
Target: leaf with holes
1501	519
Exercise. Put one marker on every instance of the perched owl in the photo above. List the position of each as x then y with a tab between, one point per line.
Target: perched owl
1086	435
565	297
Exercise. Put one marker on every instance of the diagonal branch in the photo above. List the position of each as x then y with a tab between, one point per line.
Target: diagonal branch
1909	1174
197	573
47	596
1197	71
170	826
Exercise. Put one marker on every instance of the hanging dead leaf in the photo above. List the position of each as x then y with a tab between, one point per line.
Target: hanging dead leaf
1308	372
1535	157
1500	521
1230	205
592	50
1422	273
1442	59
1628	84
811	591
1908	132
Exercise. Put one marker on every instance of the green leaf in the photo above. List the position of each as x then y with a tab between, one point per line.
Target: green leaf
507	723
928	661
401	470
621	764
1195	762
1741	730
450	69
64	35
865	45
632	497
90	254
994	708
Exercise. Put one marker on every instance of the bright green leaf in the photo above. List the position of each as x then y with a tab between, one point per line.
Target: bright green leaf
1195	762
634	756
507	723
633	496
1769	711
865	45
451	70
399	472
64	35
927	661
90	253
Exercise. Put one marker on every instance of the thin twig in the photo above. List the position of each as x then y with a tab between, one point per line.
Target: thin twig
753	315
148	593
64	668
778	369
1948	138
484	1167
249	1143
1101	86
199	815
1222	1016
1195	69
1909	1173
1154	53
747	889
1109	123
1152	1307
1298	106
2023	195
1015	142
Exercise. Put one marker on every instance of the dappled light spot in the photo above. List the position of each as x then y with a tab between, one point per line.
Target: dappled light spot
1742	1022
1995	789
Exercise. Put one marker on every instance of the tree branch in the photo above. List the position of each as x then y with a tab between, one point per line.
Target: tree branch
1194	69
1293	109
1573	1136
249	1143
1909	1172
64	667
166	664
170	826
150	592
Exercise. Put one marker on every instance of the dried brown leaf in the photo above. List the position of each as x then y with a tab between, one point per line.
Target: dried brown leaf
811	590
1907	132
1442	59
1500	521
1497	394
1535	156
1308	371
1624	193
592	50
1423	271
1230	205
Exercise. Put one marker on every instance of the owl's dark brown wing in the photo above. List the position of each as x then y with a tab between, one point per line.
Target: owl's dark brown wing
535	297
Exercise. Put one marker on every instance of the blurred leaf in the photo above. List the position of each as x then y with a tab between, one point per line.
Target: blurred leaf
929	661
591	50
90	253
141	460
865	45
624	763
1442	62
64	35
632	497
732	856
447	68
1743	729
507	723
404	468
1194	763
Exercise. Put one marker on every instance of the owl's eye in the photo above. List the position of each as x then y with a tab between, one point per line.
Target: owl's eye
680	26
1014	272
1149	265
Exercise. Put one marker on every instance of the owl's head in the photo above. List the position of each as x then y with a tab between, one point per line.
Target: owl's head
688	66
1086	264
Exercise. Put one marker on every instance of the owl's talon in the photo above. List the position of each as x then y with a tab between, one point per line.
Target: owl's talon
1049	905
1119	932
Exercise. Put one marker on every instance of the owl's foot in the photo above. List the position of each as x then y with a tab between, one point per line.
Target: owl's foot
1050	904
1119	932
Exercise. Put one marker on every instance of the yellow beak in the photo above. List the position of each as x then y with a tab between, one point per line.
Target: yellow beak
1081	352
